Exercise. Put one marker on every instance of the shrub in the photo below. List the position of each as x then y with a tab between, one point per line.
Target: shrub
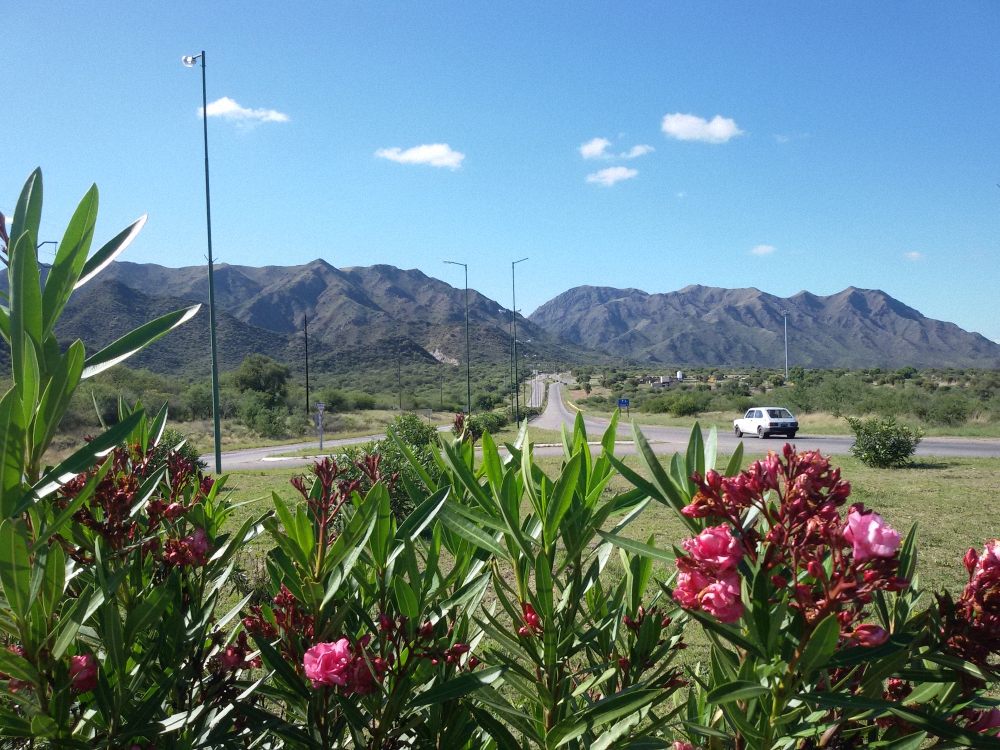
489	421
362	401
881	443
173	442
198	401
262	375
335	400
484	401
256	415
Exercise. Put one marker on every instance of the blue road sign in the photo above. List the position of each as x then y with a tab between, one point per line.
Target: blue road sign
623	403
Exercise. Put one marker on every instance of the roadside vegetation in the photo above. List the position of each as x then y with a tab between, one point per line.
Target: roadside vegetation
938	401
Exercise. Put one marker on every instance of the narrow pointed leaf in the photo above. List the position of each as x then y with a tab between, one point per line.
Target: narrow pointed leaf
133	342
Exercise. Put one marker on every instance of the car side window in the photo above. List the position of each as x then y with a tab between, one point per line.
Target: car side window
749	415
758	414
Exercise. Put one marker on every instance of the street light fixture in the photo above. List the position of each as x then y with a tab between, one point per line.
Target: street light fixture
189	62
513	314
468	359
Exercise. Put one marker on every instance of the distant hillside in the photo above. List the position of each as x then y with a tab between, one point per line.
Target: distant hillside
701	325
357	316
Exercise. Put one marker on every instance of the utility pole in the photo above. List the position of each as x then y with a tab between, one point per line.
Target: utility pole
399	377
468	356
305	330
513	317
784	315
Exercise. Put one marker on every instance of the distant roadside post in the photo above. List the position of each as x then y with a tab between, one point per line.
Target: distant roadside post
624	403
320	408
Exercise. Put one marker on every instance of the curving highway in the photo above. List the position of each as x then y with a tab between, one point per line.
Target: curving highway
674	439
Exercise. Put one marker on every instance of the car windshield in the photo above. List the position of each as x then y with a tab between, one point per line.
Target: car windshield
778	414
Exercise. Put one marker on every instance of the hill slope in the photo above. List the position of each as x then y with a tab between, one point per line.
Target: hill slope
701	325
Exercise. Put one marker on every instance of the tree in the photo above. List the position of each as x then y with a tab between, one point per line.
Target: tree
263	375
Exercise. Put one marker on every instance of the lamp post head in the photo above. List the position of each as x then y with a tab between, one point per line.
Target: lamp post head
189	61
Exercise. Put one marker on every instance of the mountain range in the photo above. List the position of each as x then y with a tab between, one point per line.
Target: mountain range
363	317
713	326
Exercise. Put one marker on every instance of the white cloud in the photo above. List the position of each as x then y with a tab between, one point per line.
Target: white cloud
434	154
762	251
782	138
693	128
226	107
640	150
914	256
611	175
594	149
682	194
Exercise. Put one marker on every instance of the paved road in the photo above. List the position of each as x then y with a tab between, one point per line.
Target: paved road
671	439
537	396
662	439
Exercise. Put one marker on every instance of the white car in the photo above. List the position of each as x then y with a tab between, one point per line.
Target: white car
765	421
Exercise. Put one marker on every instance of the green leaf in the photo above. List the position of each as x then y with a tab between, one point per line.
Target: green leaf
12	452
562	497
495	729
406	599
606	710
638	548
133	342
821	645
414	463
735	461
725	631
712	448
282	669
109	251
18	667
15	567
909	742
57	396
25	307
457	687
738	690
666	490
28	211
470	532
70	257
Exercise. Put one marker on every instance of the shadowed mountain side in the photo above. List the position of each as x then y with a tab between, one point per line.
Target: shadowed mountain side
712	326
104	311
355	306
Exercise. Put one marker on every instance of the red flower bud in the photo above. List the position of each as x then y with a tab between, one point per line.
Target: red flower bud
971	558
815	569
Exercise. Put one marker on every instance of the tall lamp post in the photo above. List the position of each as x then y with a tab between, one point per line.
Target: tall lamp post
189	61
468	358
784	315
513	318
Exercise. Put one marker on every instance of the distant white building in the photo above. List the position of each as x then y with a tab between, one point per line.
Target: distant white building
680	375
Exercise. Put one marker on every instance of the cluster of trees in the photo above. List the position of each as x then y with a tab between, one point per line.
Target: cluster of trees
944	397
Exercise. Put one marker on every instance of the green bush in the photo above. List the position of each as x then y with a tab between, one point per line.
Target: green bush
335	400
362	401
171	441
263	375
489	421
256	414
881	443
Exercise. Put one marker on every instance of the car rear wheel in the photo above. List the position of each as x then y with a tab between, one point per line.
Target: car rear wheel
760	433
738	431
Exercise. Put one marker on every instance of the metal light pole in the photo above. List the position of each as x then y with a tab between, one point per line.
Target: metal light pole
305	331
189	61
784	315
513	317
468	357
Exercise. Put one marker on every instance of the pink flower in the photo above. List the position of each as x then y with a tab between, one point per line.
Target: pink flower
870	535
679	745
83	673
990	559
327	663
986	721
869	634
690	583
715	546
722	598
198	543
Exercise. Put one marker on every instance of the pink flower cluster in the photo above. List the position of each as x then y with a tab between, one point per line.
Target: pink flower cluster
971	626
799	536
83	673
186	552
340	664
707	579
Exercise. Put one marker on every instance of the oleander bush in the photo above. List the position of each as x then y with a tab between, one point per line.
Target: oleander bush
882	443
488	617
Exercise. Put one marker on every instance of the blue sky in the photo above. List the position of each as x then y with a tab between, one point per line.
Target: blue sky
858	140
